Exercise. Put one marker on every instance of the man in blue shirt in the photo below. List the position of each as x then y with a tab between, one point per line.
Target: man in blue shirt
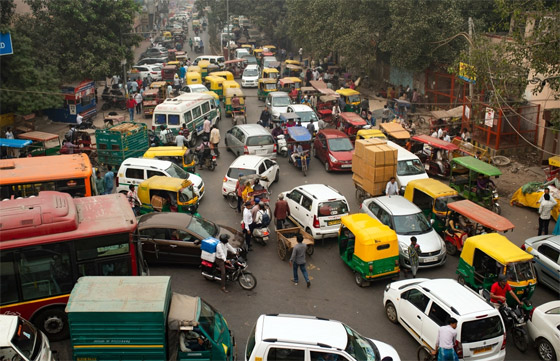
109	180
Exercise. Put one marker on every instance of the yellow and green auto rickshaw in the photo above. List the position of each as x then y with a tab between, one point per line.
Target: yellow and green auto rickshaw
270	73
167	194
486	256
271	48
227	75
432	197
214	83
249	48
292	70
229	93
352	99
203	65
194	69
193	78
266	86
181	156
369	248
370	133
292	62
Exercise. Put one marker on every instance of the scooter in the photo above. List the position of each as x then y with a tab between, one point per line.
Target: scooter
261	235
282	145
236	270
210	162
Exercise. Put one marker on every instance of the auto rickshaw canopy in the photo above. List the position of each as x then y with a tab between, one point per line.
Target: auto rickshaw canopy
299	134
194	69
395	130
369	235
203	64
432	187
285	82
158	84
226	75
353	119
38	136
554	161
477	166
230	84
170	151
177	63
164	183
370	133
496	246
347	92
292	62
435	142
481	215
193	78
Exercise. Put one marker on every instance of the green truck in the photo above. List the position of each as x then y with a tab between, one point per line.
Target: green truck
122	141
139	318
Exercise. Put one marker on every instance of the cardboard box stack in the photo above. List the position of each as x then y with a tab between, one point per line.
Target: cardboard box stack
373	163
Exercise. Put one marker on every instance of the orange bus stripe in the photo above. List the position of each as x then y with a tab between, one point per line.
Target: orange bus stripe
34	301
118	346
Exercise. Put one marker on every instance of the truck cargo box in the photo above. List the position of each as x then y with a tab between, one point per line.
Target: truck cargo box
125	140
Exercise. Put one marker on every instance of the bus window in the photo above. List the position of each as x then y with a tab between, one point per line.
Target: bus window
196	113
173	119
8	291
188	117
160	119
205	107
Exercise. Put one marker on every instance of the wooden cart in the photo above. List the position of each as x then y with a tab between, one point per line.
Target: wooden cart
287	240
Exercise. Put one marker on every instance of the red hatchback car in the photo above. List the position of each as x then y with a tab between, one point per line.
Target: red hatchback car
333	148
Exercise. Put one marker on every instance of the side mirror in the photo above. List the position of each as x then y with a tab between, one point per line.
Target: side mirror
197	242
432	221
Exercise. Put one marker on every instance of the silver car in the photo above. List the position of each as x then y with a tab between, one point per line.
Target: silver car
277	103
546	250
250	139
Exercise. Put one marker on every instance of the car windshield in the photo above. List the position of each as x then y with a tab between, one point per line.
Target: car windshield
26	339
280	101
359	347
205	229
251	60
441	202
481	329
353	98
234	172
207	319
340	145
177	172
332	208
198	89
412	224
250	72
307	117
260	140
410	167
186	194
520	272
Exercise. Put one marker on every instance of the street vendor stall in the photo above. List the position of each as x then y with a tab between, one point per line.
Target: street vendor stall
448	119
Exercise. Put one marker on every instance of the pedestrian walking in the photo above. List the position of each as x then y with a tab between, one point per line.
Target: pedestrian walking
221	258
413	254
109	180
298	260
12	153
133	200
99	183
180	140
130	105
385	115
239	187
247	224
281	211
445	342
545	210
392	188
264	120
207	127
300	52
138	99
215	140
169	91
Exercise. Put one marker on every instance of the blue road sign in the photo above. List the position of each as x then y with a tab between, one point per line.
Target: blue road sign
6	44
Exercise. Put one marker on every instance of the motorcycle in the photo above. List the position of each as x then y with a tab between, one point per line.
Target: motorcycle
236	270
282	146
86	124
261	235
210	162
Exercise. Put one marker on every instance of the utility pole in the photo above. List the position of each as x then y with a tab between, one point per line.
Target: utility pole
227	27
471	26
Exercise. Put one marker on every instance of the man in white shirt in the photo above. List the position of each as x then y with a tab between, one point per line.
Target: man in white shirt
392	188
445	342
79	119
221	258
138	97
180	140
247	222
207	127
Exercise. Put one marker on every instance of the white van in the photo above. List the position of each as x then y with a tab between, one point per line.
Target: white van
136	170
409	167
213	59
189	109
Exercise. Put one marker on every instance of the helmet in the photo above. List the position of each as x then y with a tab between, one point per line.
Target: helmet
502	278
257	200
204	138
224	238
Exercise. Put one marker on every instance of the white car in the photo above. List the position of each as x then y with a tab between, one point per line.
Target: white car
250	77
306	114
318	208
153	70
544	329
407	220
422	306
546	250
194	88
295	337
250	164
277	103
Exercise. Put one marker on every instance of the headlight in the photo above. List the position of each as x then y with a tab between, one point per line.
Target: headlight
404	249
333	159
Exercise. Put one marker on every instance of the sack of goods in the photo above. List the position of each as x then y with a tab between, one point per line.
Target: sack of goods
208	249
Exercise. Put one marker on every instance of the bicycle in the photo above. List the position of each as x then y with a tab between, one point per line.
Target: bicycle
231	198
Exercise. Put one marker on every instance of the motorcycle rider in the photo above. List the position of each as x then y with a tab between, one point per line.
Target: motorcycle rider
221	258
498	292
203	151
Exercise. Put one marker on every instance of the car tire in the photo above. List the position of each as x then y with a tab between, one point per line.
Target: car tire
391	312
327	167
545	350
54	323
277	177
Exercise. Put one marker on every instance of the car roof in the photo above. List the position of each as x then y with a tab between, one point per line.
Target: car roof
278	94
147	162
8	323
247	161
306	330
252	66
321	190
402	154
300	107
252	129
164	219
333	133
540	239
397	205
451	293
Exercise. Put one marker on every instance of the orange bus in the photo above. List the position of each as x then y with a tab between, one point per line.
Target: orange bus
24	177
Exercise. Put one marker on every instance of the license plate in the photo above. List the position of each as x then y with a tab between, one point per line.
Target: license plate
429	259
481	349
332	223
261	151
347	166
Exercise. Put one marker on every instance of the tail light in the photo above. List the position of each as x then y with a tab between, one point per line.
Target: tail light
459	349
370	268
225	180
315	222
396	263
274	150
531	314
153	127
245	150
503	342
523	247
206	263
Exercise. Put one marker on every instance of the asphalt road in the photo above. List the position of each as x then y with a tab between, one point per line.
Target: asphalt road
333	293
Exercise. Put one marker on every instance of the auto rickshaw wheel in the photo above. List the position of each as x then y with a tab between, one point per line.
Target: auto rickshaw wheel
461	280
310	249
497	209
359	280
451	248
391	312
424	354
282	251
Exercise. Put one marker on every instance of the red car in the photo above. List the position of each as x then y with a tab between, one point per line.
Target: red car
333	148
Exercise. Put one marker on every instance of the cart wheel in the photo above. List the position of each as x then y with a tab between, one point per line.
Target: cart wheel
232	200
282	251
310	249
461	280
360	195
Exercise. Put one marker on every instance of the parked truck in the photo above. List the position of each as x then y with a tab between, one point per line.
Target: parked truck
139	318
122	141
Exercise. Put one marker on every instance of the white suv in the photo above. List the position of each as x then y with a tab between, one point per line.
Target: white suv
317	208
250	77
295	337
422	306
